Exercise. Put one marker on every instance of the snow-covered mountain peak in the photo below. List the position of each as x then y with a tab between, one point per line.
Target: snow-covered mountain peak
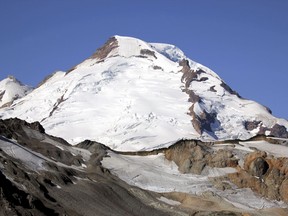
12	89
10	79
132	95
124	47
129	47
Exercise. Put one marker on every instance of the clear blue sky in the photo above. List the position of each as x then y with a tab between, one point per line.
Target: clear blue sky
244	41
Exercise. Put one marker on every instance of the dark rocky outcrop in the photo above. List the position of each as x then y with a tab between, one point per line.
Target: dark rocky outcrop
204	121
156	67
228	89
212	88
251	125
104	51
1	95
147	52
258	167
32	135
15	201
279	131
275	131
188	74
11	127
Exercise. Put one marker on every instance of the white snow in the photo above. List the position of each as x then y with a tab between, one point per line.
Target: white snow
273	149
31	159
11	89
276	150
133	103
154	173
169	201
170	51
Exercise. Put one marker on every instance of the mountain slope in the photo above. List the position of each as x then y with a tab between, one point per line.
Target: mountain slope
11	89
132	95
44	175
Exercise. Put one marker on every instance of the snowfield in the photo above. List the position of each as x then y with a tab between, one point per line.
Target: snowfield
133	99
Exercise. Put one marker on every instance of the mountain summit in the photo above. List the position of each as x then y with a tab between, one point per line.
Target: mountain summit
11	89
132	95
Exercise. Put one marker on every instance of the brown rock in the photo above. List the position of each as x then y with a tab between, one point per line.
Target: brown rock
104	51
251	157
284	190
273	181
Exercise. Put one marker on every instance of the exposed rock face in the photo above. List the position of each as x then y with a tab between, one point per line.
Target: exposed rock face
228	89
251	125
148	52
279	131
9	127
276	131
264	174
205	120
258	167
188	74
284	190
194	156
1	95
212	88
104	51
15	201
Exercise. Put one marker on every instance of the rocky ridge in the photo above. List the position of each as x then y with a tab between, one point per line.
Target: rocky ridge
68	175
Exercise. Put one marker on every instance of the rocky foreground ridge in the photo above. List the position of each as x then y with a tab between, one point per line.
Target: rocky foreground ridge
44	175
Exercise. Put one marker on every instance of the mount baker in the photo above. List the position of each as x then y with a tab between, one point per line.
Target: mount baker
132	95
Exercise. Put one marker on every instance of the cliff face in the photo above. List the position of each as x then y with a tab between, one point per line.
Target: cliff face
261	171
264	174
